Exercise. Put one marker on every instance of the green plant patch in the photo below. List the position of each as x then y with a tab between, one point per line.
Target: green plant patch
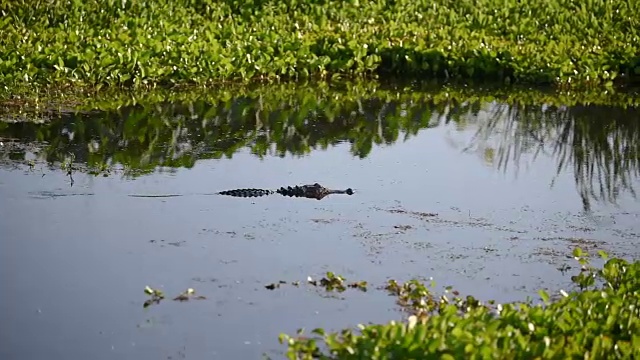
153	43
601	320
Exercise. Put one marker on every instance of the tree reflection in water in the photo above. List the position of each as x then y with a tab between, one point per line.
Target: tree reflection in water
599	143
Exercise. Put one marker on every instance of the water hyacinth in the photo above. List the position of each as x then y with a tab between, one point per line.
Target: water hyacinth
134	42
601	321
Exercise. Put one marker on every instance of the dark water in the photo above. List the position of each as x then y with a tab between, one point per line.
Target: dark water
476	194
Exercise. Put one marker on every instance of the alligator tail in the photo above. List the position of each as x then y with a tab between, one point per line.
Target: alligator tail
246	192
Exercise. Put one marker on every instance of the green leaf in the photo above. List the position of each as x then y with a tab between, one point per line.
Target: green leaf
577	252
543	295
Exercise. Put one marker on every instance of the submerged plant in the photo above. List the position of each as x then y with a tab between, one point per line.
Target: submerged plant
333	282
155	295
158	295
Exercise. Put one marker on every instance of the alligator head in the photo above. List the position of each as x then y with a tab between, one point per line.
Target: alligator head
315	191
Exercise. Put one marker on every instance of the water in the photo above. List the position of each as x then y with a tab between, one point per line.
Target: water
435	198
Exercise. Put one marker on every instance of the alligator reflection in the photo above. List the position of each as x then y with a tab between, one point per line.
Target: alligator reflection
600	143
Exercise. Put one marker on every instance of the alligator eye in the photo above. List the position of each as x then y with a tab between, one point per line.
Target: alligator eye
349	191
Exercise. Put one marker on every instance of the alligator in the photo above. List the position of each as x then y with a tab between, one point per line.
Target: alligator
315	191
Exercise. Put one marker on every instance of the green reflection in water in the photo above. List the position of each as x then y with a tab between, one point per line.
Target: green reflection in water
595	136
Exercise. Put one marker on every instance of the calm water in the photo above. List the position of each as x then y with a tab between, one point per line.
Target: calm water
488	198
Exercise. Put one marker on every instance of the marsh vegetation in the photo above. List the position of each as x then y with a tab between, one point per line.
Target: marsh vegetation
600	319
129	43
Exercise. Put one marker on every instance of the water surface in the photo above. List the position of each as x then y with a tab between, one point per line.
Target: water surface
477	194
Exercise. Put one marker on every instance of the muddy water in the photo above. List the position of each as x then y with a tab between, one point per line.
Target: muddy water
77	250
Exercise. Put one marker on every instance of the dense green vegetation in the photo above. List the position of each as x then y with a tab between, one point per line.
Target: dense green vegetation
597	136
600	321
136	42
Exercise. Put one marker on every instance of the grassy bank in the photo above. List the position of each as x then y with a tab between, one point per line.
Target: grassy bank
126	43
602	320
